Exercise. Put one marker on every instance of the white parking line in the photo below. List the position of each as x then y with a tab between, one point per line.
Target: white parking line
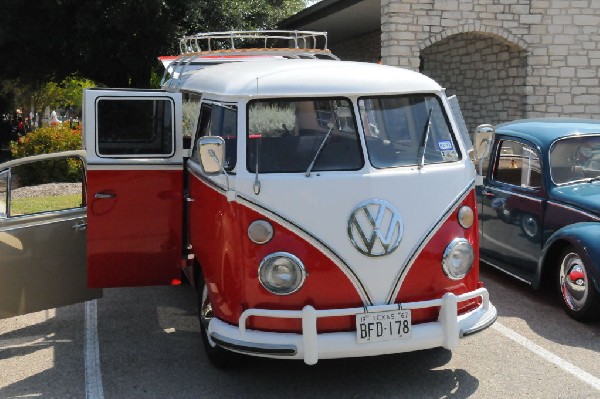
548	356
93	377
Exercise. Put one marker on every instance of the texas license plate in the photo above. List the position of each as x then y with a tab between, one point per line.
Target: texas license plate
383	326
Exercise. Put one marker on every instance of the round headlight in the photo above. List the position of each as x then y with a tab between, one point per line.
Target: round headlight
281	273
466	217
458	259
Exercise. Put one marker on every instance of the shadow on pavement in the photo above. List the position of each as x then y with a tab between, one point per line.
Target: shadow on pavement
540	309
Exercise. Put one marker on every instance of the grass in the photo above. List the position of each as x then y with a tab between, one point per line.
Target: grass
27	206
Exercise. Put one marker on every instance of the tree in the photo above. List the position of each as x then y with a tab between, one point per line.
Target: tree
116	42
72	88
258	14
66	94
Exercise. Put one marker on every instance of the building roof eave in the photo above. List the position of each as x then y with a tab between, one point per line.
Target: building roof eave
341	19
316	12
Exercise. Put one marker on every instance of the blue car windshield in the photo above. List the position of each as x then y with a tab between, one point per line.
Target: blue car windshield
575	159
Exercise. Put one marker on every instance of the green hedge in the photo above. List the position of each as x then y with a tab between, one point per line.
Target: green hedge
47	140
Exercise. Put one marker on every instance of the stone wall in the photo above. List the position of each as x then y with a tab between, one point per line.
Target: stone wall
554	45
487	75
366	48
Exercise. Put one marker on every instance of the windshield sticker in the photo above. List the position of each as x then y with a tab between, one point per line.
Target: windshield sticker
445	145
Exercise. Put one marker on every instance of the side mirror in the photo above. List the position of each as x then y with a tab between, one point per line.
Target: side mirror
483	140
211	152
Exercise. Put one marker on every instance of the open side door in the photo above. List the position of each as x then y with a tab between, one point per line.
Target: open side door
42	233
135	187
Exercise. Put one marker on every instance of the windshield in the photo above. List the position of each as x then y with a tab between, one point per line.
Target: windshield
407	130
575	159
300	135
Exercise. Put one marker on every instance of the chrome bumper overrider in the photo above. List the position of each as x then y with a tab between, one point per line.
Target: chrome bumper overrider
311	347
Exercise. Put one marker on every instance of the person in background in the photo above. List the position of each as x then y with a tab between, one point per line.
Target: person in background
54	119
20	126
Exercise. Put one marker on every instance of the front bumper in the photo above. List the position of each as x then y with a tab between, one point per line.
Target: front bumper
311	346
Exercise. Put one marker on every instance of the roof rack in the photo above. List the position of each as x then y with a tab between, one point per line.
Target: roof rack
215	41
231	44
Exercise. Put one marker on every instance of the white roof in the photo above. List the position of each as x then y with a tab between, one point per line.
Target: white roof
305	77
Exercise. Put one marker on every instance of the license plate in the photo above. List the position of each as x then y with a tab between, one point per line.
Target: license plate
383	326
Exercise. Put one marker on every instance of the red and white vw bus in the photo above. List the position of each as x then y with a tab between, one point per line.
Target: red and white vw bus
324	209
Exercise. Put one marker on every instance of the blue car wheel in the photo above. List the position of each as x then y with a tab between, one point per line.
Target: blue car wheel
579	296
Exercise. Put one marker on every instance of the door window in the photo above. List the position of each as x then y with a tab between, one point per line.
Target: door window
135	126
190	111
217	119
42	186
518	164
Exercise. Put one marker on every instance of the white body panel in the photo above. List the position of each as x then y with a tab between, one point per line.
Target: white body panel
90	141
292	78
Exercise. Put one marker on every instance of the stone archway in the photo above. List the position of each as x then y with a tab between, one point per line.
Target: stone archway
486	71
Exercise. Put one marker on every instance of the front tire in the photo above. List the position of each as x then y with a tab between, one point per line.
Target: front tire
580	298
219	357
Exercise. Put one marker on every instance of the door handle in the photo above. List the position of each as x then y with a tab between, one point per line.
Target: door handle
79	226
104	195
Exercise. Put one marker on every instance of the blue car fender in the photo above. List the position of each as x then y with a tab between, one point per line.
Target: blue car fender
585	238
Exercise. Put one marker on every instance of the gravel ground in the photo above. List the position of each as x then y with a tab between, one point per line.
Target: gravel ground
47	190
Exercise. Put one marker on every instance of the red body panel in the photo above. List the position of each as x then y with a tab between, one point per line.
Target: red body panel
426	280
230	261
135	238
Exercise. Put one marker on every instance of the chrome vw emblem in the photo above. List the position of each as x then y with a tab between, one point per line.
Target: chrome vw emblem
375	228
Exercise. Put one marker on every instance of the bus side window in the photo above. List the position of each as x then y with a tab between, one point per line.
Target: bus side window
219	120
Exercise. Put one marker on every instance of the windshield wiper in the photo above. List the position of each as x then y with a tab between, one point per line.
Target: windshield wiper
312	163
425	136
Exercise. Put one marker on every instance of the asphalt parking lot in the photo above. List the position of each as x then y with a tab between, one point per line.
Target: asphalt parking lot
144	343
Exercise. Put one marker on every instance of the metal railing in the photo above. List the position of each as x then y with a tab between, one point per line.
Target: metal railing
270	39
276	43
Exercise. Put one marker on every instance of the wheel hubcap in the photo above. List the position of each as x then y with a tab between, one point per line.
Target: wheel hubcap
573	281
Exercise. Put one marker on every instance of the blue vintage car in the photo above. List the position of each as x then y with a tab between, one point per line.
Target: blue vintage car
540	208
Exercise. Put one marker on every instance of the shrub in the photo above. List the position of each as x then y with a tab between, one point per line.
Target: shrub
47	140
